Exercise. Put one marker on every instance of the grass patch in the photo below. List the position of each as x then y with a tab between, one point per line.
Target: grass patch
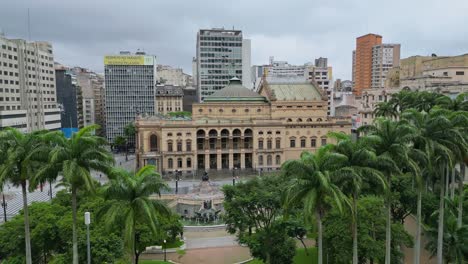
299	258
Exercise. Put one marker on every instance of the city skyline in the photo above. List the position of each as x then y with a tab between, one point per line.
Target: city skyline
319	29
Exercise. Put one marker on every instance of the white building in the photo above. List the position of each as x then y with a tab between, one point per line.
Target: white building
384	57
27	85
173	76
246	74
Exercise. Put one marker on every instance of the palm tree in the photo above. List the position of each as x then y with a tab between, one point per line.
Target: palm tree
129	194
439	135
311	185
458	104
359	166
386	109
455	240
74	159
392	141
19	166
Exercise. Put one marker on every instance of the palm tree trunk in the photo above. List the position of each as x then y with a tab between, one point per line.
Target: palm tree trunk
75	237
320	239
27	235
452	185
440	231
417	243
388	233
355	241
134	257
461	195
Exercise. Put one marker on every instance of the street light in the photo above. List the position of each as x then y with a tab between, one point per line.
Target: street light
165	250
234	176
4	205
87	217
177	178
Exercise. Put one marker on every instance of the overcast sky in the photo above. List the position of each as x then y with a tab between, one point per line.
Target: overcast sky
297	31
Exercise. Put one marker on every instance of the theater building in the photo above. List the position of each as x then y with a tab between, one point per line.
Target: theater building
238	129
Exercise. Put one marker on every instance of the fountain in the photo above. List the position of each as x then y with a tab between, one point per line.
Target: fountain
203	204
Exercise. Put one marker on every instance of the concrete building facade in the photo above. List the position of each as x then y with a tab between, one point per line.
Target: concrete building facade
220	55
362	74
169	98
28	99
237	128
67	96
384	57
130	84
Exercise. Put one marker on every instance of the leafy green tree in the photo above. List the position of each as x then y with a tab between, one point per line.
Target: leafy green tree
129	131
130	204
120	142
371	233
253	212
358	168
74	159
311	185
440	137
20	165
392	142
455	239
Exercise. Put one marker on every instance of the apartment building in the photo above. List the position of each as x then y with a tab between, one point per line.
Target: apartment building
27	85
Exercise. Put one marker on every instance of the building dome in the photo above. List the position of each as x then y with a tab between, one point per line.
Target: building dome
234	91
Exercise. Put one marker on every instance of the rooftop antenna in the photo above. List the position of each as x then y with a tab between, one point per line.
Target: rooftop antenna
29	26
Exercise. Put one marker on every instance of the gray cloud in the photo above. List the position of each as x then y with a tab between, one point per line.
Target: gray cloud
82	32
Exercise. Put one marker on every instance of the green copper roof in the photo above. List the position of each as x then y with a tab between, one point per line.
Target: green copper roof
295	91
233	92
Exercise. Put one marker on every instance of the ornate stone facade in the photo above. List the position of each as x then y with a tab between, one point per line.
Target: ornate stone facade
236	128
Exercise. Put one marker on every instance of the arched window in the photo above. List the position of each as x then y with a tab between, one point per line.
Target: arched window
169	146
309	119
278	160
299	120
289	120
153	143
170	163
179	163
179	134
260	160
269	144
269	160
179	145
278	143
169	134
189	163
324	141
319	119
260	132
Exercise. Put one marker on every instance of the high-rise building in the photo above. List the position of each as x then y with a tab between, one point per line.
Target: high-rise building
130	83
67	96
321	62
246	74
220	54
173	76
363	61
384	57
27	85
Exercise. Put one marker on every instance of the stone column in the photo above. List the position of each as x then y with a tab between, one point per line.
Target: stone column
218	161
242	161
231	160
207	161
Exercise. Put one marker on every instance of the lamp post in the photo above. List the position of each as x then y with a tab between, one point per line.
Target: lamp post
177	178
234	176
4	205
165	250
87	217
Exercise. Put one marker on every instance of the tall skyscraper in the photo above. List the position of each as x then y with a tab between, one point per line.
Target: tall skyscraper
384	57
27	85
221	55
67	97
130	81
363	61
371	62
